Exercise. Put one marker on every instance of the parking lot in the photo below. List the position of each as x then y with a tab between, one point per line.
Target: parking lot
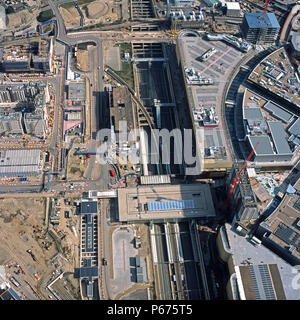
217	67
123	250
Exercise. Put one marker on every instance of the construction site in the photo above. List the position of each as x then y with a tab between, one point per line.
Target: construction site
40	252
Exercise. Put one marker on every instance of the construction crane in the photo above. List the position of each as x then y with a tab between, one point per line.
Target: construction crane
265	10
236	179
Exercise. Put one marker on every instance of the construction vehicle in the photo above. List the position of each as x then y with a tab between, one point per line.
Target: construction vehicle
174	31
48	245
25	138
137	242
37	276
32	255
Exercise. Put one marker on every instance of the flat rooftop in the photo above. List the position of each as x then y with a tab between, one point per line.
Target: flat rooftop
264	147
87	207
77	90
284	223
217	67
165	202
279	137
295	127
276	74
254	20
267	123
245	253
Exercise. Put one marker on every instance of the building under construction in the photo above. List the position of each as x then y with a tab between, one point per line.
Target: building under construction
35	56
260	28
243	201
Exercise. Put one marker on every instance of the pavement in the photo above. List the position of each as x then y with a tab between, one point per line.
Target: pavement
123	254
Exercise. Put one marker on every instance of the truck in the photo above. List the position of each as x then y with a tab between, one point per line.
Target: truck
37	276
137	242
112	173
15	282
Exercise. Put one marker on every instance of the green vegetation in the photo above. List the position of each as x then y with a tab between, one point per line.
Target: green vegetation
125	47
68	5
81	2
126	72
45	16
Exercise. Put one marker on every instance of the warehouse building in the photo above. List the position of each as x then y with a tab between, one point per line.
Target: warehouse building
15	163
259	29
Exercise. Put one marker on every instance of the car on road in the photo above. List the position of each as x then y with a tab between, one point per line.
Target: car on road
104	262
67	214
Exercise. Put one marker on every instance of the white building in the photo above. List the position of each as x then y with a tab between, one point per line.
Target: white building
233	9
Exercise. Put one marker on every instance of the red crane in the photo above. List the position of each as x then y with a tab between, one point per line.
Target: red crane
266	6
236	179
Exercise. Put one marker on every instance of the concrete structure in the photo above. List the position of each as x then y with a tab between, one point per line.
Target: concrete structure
205	99
20	162
258	29
256	273
295	41
165	203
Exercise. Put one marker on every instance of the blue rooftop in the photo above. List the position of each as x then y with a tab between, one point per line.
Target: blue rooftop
170	205
269	20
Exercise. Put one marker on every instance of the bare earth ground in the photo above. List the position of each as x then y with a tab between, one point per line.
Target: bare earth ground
21	228
99	11
17	217
70	16
83	60
16	19
76	167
